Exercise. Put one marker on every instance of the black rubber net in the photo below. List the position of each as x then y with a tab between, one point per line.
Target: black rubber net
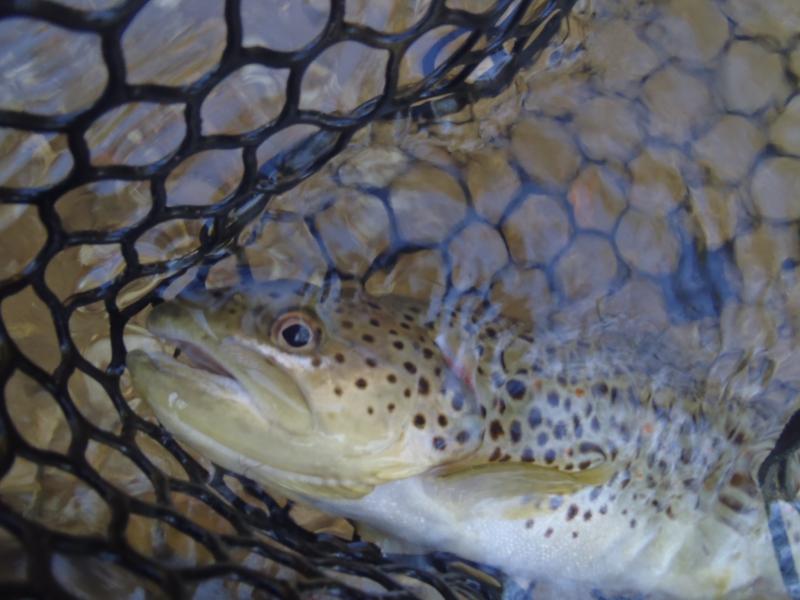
255	529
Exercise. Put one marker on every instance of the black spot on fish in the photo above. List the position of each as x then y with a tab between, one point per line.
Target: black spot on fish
515	389
560	430
398	344
534	418
337	390
374	322
391	378
576	424
571	512
458	402
552	398
529	524
390	408
556	502
347	324
439	443
599	389
371	362
410	367
442	421
527	455
339	357
496	429
427	353
423	387
515	431
462	437
368	338
419	421
542	439
550	457
549	532
361	383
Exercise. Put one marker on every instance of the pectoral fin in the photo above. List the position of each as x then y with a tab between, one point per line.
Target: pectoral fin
510	480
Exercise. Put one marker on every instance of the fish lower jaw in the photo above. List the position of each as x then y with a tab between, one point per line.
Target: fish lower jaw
165	362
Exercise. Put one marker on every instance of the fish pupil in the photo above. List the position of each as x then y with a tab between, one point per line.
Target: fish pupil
296	335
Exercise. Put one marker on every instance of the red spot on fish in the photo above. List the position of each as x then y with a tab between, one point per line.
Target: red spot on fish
461	372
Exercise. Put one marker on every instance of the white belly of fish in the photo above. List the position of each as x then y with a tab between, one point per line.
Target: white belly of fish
695	556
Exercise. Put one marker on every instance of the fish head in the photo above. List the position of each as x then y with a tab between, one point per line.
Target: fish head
319	396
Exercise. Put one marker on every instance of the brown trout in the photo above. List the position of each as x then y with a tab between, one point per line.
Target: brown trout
594	460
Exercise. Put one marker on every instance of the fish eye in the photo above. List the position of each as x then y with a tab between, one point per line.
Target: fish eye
295	331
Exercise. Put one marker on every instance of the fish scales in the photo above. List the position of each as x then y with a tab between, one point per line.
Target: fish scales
596	458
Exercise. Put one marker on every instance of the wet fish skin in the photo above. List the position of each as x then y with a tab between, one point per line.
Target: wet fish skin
588	458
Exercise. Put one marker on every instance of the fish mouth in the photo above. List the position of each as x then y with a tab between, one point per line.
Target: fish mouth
195	357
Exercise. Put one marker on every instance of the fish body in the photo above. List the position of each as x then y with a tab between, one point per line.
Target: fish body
592	460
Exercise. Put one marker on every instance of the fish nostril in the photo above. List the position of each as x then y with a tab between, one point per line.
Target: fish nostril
162	315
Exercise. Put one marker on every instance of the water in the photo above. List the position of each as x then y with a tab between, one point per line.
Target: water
647	167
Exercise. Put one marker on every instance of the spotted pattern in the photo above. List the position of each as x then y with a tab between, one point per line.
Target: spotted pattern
545	406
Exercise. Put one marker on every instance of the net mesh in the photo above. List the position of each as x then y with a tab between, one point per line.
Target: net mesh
258	549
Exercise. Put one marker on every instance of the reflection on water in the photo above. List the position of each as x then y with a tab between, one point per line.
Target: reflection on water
646	168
